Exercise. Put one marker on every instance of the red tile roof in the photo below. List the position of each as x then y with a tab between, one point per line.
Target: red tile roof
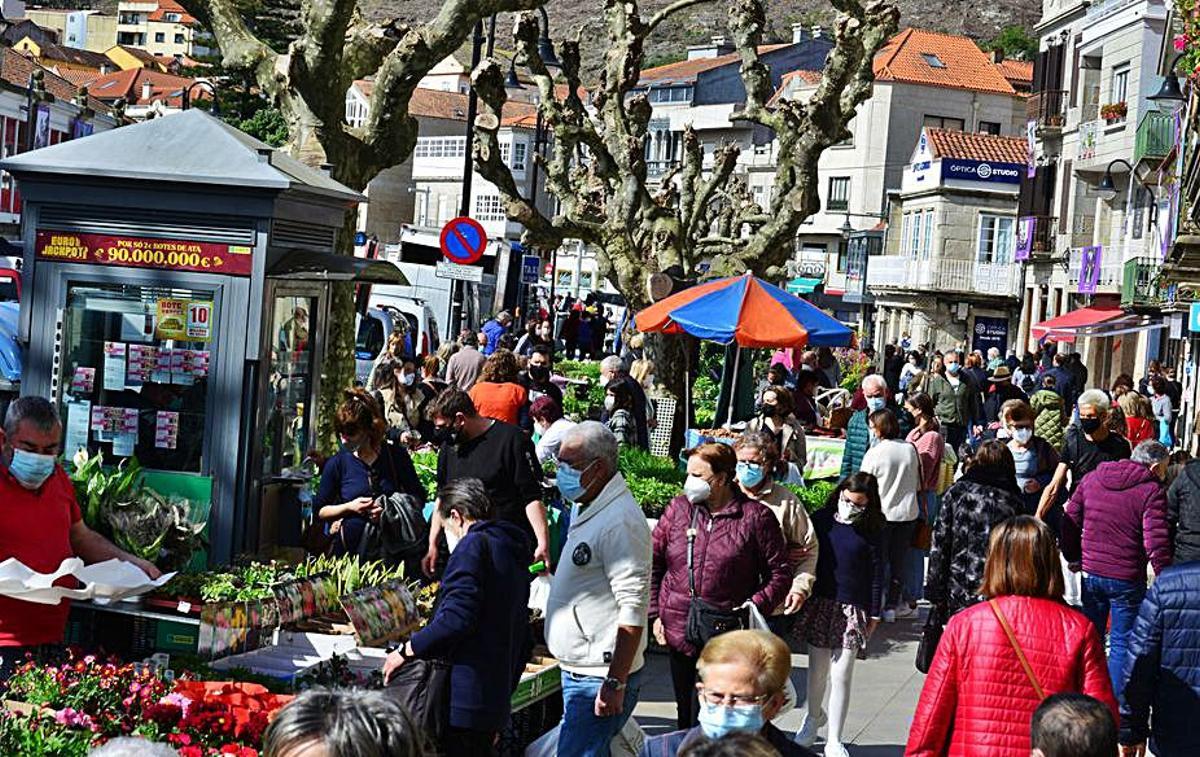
15	70
77	77
688	70
1018	72
957	144
73	55
170	6
139	53
435	103
128	84
906	58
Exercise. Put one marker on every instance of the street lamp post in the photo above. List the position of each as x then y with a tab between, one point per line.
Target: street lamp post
1107	189
212	90
1170	91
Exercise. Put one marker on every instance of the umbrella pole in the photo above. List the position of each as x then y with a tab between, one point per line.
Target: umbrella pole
737	359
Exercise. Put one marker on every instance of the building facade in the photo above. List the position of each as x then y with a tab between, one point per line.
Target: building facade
91	30
161	27
947	275
1096	142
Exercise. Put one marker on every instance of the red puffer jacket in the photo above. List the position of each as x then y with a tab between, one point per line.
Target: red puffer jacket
740	555
977	699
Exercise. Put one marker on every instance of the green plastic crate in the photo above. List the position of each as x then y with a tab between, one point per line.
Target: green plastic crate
537	687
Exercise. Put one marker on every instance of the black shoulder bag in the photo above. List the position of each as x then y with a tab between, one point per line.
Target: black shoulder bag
931	634
704	621
401	534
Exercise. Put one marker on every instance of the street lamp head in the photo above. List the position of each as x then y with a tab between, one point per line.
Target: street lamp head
846	229
1107	188
1170	92
545	46
513	81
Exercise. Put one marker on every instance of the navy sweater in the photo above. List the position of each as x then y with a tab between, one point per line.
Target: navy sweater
849	565
481	624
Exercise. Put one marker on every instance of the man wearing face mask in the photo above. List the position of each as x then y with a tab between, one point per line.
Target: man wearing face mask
500	455
536	378
742	679
599	596
1087	446
858	433
956	400
40	525
612	368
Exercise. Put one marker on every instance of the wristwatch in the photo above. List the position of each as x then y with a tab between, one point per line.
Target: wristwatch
616	684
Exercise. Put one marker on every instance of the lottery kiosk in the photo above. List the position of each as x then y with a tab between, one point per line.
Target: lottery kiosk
177	279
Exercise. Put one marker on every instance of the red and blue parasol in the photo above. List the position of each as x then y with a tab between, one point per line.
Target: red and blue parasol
745	310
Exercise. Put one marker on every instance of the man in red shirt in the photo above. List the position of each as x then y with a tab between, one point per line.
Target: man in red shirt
40	525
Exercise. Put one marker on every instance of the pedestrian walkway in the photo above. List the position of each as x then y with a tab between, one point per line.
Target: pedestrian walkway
885	692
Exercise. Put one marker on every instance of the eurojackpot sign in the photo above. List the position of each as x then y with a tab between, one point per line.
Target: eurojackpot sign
980	170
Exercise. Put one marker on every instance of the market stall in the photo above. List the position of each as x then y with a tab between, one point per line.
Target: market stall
178	278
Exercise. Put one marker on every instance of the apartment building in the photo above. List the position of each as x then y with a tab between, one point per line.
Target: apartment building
947	275
161	27
90	30
923	80
1097	143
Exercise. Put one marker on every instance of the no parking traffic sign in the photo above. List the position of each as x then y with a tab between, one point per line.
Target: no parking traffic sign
463	240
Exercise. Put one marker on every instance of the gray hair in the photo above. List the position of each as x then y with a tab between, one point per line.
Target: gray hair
874	379
1094	398
1150	452
613	363
346	722
37	410
128	746
597	441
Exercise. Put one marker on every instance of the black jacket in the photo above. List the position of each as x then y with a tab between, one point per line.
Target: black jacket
1183	513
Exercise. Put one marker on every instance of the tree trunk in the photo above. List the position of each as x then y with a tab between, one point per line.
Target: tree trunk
675	358
337	370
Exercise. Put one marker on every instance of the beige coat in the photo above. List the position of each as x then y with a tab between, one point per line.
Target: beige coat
798	532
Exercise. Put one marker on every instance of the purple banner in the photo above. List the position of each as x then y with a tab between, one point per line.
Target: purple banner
1025	230
1089	269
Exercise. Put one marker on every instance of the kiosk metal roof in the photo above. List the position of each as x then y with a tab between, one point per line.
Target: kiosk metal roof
190	147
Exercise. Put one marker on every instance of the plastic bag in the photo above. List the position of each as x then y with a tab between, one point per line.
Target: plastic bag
539	593
759	623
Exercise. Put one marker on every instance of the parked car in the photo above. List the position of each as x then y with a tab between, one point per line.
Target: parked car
11	357
385	315
10	285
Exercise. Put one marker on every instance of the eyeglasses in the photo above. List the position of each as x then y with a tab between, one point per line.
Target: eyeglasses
731	700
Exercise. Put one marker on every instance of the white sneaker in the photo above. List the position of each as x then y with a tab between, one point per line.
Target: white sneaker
835	749
807	735
904	611
889	616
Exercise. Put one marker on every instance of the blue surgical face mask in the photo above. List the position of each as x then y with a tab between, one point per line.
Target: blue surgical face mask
953	368
876	403
750	474
31	469
570	481
717	720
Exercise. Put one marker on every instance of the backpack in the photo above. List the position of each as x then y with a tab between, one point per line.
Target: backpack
1028	384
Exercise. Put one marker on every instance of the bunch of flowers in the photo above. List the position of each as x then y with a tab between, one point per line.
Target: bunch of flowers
1188	41
69	708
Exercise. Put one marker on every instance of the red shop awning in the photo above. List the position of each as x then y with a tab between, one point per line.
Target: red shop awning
1065	327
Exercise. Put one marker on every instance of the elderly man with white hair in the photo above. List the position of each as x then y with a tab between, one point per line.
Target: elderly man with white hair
600	594
614	370
858	433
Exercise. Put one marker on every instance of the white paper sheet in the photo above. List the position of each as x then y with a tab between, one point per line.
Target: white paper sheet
114	366
79	419
103	582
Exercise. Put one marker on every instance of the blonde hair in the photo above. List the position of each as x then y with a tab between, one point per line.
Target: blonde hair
761	651
1135	405
641	369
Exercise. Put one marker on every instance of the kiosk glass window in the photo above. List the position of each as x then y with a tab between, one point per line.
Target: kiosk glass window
134	372
289	385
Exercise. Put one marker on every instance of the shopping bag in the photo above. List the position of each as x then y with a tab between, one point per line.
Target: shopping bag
759	623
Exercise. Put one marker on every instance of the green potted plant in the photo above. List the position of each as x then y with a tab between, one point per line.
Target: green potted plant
1114	112
97	488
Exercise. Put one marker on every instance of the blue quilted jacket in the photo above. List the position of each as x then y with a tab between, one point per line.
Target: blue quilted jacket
1161	697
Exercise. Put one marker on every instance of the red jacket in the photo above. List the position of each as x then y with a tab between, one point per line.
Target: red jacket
977	699
740	555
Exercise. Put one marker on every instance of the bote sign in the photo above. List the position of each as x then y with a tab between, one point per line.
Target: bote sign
979	170
141	252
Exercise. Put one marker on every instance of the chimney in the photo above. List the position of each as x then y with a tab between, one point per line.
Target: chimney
818	31
718	40
717	46
997	55
146	90
798	33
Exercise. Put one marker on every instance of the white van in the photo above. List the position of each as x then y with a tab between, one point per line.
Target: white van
382	318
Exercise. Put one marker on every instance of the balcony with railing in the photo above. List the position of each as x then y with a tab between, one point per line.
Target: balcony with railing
1141	284
1083	230
656	169
1044	235
1109	278
1155	136
1047	108
955	276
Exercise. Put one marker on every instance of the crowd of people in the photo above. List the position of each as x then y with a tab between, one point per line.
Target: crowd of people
1019	510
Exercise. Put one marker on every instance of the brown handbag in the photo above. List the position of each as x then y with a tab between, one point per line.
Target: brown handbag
1012	640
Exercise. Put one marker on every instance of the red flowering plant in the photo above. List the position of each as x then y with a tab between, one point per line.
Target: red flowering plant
1187	41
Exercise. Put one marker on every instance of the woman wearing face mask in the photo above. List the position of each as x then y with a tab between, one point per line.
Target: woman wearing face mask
738	556
843	611
926	437
773	415
549	425
1034	458
397	393
642	371
369	464
897	469
618	402
498	394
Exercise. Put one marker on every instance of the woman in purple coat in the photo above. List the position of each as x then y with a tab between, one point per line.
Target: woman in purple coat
738	556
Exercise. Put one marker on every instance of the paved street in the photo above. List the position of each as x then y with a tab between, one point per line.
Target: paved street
886	688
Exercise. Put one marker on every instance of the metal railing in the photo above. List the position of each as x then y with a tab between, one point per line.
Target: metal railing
658	168
1044	234
1047	108
1141	284
960	276
1155	136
